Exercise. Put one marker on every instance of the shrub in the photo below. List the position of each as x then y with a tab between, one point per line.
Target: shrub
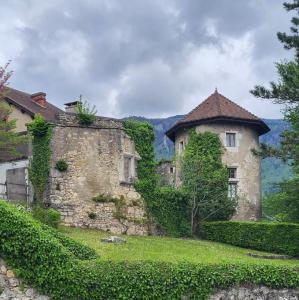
48	216
92	215
86	115
104	198
61	165
42	261
79	250
273	237
171	209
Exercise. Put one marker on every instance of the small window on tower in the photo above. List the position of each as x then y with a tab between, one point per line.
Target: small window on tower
231	139
232	190
171	170
181	146
232	173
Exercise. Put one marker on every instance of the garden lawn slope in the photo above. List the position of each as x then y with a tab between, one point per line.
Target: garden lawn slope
169	249
44	262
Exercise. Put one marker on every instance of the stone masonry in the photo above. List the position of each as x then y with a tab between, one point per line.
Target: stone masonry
99	158
239	157
11	288
256	293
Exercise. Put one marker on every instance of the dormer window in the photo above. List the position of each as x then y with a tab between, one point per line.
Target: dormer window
230	139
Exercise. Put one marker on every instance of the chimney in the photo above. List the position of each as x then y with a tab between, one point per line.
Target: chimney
39	98
71	107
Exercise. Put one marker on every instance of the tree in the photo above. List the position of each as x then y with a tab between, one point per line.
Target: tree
285	91
9	139
205	179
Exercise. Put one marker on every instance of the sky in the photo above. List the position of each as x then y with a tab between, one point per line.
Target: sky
147	58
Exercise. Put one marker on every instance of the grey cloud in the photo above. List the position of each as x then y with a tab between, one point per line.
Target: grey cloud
67	48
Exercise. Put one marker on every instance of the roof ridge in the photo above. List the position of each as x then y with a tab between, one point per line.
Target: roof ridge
27	94
194	109
218	102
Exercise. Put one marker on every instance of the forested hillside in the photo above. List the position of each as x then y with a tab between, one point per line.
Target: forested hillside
273	170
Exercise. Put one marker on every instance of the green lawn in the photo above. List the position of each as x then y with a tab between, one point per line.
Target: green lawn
167	249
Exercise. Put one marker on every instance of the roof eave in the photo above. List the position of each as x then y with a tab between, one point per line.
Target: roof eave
261	127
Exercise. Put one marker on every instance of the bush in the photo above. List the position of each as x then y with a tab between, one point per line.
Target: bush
104	198
272	237
79	250
48	216
42	261
92	215
86	115
61	165
171	209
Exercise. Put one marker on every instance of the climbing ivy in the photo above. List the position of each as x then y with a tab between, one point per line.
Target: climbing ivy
166	206
39	169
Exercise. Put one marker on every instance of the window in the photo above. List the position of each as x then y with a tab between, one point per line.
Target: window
171	170
232	173
230	139
232	190
181	146
127	169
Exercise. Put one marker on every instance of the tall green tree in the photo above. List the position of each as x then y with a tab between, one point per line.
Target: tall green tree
9	139
286	91
205	179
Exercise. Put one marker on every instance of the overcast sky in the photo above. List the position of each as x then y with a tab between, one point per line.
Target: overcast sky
152	58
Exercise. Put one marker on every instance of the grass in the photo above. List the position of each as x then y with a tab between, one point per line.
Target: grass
168	249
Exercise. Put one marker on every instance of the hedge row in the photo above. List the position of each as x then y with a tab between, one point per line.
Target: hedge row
42	261
282	238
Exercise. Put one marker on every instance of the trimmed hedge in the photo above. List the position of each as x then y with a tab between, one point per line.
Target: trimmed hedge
42	261
282	238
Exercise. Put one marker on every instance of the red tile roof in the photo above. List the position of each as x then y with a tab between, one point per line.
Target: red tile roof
218	108
23	101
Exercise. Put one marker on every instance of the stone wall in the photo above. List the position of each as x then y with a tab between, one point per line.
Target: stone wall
11	288
166	170
256	293
241	157
96	161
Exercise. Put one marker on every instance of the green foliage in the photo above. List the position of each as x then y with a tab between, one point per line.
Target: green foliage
92	215
283	205
167	206
77	249
143	136
205	179
48	216
9	139
61	165
41	260
273	237
171	209
120	205
41	154
86	114
285	91
104	198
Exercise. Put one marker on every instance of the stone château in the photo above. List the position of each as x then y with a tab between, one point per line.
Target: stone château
239	131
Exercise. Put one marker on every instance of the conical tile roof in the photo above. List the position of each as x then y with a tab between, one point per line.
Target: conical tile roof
218	108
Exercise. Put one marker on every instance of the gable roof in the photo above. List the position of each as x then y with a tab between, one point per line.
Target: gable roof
218	108
23	101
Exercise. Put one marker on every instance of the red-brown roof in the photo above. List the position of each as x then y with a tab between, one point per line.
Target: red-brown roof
218	108
23	101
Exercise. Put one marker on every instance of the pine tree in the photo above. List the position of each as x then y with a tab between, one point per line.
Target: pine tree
286	91
9	139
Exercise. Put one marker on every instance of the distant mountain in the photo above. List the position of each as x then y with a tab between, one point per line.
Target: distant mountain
273	170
